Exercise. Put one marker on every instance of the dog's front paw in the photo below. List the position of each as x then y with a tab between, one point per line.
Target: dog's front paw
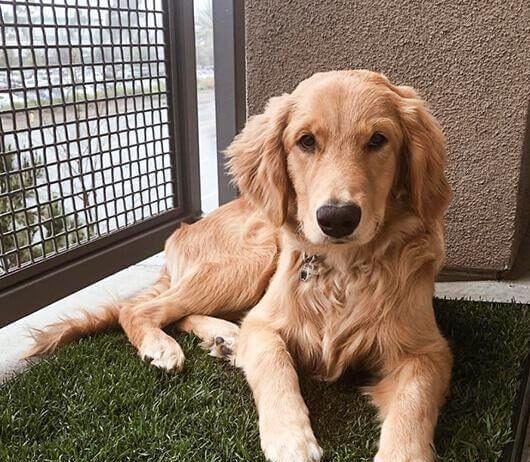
290	444
405	454
162	351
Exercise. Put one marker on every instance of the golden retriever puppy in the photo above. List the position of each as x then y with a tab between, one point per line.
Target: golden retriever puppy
334	246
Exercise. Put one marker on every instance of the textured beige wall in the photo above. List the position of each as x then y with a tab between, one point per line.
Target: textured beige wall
470	60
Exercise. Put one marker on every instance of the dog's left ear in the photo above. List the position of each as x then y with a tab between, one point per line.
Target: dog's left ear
425	157
258	162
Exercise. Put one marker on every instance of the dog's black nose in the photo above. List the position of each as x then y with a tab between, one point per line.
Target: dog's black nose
339	220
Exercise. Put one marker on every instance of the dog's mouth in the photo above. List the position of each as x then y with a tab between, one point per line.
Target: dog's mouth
338	241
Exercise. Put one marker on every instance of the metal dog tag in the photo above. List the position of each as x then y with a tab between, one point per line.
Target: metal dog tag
309	267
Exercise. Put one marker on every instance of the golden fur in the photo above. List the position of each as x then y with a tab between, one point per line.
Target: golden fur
371	301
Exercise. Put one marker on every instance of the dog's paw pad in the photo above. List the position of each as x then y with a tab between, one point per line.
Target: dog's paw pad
225	351
223	347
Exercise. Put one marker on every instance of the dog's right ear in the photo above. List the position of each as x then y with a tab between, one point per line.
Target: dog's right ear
257	160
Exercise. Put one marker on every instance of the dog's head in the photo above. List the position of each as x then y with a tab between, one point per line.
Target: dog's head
333	155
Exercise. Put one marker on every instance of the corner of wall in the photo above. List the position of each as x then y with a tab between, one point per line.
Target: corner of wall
520	257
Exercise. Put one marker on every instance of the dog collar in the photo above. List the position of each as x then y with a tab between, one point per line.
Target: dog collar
309	268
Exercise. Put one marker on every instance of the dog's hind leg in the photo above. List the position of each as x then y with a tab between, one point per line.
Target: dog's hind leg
68	330
210	288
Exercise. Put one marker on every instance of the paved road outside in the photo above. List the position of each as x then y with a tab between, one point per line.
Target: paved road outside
208	149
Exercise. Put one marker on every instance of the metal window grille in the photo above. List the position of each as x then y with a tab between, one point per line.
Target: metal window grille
97	138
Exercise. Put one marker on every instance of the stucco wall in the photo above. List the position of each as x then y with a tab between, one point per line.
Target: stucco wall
469	59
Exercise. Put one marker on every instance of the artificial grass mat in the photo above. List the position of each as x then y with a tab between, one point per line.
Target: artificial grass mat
96	401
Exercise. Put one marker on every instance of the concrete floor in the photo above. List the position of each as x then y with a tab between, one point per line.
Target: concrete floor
15	339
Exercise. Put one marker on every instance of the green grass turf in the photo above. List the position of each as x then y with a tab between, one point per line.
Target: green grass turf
95	401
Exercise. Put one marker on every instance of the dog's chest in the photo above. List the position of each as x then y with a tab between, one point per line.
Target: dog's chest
321	303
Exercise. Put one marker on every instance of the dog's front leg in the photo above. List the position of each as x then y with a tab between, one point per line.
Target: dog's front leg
409	399
285	429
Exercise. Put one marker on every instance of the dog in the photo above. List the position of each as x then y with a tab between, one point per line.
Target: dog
328	256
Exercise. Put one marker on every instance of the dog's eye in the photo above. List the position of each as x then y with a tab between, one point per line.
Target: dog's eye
376	141
307	142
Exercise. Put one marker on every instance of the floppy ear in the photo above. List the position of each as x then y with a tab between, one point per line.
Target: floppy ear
258	161
425	157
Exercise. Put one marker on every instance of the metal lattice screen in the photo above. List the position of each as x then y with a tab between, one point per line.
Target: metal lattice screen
84	133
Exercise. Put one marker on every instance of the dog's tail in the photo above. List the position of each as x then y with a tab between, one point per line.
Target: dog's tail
65	331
